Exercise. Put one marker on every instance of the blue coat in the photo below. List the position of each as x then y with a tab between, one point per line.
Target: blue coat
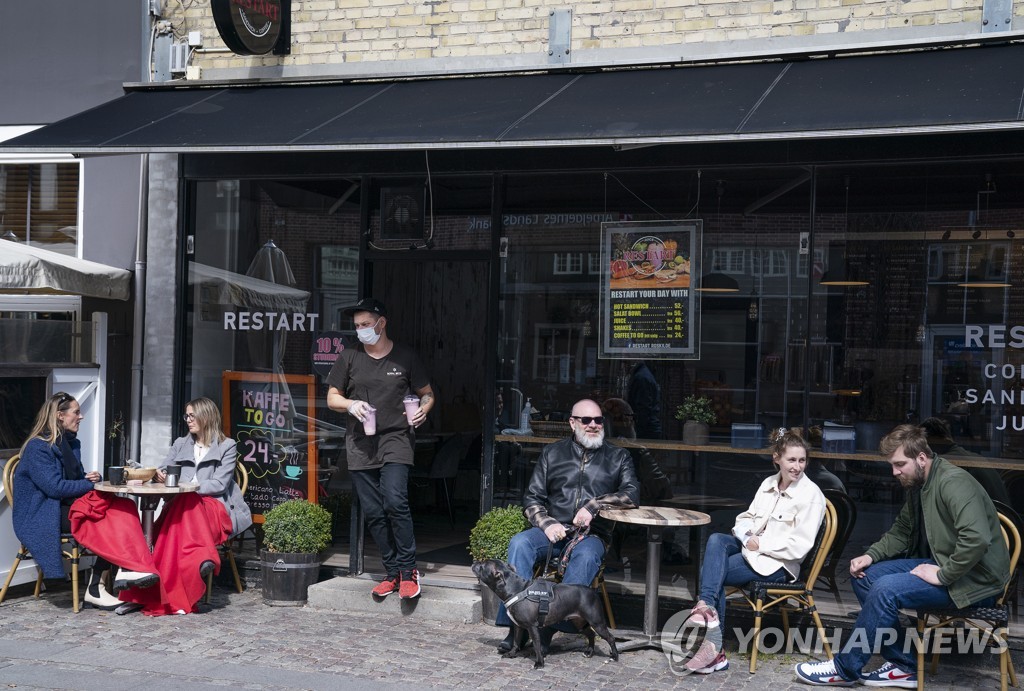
39	485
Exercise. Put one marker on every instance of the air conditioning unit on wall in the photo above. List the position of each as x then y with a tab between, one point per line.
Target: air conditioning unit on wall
401	212
179	57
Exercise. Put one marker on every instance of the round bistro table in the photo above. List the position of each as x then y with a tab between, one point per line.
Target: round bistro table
656	518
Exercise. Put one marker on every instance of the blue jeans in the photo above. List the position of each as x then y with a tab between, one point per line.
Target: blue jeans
724	565
531	546
886	588
384	496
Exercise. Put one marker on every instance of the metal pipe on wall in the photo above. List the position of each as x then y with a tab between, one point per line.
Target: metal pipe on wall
139	321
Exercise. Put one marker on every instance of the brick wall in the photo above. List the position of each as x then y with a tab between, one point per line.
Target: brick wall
326	32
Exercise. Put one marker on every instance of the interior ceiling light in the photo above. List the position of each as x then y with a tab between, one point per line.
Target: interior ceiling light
716	281
844	276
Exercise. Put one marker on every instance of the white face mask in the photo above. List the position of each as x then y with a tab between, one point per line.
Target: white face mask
368	335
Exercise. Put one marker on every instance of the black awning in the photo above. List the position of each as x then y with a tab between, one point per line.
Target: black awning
942	90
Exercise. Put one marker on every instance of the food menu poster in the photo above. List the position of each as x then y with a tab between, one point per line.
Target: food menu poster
648	308
271	418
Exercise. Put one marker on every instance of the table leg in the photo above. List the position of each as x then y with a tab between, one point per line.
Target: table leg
148	505
695	555
650	637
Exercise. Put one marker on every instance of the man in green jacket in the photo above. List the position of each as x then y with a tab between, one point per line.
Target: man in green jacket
945	550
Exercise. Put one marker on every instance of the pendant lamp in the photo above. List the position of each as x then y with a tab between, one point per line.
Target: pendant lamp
843	276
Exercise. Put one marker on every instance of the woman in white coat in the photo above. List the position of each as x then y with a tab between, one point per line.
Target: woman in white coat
768	542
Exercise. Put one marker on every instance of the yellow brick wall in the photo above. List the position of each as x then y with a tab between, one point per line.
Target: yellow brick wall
351	31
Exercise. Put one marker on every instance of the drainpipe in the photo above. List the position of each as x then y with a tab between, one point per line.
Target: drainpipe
139	321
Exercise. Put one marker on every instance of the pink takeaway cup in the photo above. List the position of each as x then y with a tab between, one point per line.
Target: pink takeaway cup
370	423
412	404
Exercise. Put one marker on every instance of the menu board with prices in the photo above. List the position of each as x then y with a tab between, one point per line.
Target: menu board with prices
648	308
271	418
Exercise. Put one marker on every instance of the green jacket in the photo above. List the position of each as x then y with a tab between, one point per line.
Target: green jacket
963	532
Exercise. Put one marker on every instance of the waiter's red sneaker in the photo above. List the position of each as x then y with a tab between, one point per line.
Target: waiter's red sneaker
410	585
386	587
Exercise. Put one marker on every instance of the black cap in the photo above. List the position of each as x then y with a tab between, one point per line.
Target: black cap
366	305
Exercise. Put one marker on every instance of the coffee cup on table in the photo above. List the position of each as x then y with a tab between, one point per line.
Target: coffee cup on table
115	475
171	475
412	404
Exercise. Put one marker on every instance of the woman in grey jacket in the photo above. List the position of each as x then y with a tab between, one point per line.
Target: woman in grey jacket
193	524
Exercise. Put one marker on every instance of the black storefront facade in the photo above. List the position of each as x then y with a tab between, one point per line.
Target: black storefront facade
474	208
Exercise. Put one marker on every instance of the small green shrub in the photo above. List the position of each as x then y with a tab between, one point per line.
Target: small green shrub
297	526
490	536
697	408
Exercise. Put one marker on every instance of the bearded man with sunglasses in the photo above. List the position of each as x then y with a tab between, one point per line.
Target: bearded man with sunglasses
573	481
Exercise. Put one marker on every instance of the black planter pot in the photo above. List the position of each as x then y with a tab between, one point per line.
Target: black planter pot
287	577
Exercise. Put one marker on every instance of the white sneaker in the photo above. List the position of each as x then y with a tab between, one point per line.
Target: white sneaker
134	579
890	674
821	674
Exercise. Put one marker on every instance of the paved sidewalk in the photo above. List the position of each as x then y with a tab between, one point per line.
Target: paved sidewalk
242	642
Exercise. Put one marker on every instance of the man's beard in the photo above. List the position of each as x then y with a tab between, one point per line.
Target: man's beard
915	480
588	442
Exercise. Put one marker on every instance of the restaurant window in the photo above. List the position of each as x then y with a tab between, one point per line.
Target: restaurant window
568	263
269	266
39	204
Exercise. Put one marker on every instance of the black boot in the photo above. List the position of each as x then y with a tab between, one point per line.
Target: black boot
206	568
506	643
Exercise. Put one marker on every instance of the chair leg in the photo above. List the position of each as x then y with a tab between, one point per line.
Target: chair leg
757	635
821	627
920	654
209	586
39	582
234	569
448	501
10	576
75	603
607	603
1009	667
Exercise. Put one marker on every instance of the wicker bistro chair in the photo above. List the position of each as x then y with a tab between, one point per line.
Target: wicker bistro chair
242	480
993	620
797	596
70	549
846	518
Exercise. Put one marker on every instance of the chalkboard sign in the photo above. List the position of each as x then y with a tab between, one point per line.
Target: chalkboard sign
272	419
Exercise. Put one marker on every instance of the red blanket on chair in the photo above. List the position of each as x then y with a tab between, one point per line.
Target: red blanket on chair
188	532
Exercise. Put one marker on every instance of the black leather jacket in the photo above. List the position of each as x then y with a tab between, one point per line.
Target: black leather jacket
568	477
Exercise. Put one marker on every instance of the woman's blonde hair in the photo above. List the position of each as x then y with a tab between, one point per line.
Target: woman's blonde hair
782	438
47	425
208	416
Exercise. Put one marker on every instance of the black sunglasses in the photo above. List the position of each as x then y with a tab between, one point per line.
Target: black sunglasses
62	397
586	419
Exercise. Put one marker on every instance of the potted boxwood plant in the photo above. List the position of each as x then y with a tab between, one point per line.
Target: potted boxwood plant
489	539
697	414
294	534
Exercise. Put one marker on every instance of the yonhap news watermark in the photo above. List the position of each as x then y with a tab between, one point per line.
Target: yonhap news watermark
681	639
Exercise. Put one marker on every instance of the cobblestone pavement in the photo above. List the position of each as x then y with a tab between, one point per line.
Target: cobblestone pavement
241	642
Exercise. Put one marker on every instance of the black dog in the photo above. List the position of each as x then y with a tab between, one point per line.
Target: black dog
575	603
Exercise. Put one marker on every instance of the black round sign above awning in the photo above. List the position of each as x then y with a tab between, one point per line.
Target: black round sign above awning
254	27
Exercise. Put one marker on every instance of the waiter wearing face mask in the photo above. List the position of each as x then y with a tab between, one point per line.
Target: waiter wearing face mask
372	379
